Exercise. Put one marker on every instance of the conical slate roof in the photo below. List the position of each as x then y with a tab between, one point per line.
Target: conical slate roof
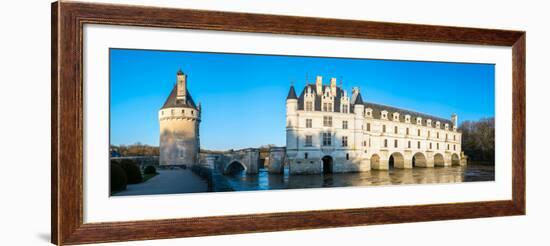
173	102
291	93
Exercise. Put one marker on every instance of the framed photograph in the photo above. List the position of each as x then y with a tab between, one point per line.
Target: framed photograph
177	123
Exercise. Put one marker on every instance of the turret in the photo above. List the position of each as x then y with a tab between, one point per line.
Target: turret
291	107
181	81
291	119
357	101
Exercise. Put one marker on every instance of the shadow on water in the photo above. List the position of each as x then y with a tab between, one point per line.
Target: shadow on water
240	181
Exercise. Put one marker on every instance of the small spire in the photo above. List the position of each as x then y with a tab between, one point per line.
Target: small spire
180	72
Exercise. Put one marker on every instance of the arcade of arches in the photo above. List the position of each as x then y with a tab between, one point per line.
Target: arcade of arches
384	161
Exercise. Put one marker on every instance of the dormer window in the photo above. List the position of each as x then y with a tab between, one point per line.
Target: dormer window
419	120
437	124
429	122
396	116
384	114
408	118
368	112
446	126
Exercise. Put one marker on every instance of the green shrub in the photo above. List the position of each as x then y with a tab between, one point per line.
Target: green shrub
150	170
118	178
132	171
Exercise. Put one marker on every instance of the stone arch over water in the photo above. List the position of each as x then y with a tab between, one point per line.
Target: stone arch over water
455	160
396	160
419	160
439	160
234	167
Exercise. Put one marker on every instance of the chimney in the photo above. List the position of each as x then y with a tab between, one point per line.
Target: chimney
333	86
181	86
454	120
319	85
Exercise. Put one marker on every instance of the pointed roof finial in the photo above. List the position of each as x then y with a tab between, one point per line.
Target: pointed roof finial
180	72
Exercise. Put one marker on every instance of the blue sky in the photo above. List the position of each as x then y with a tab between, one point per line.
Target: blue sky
243	96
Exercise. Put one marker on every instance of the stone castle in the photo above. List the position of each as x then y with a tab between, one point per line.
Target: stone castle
327	131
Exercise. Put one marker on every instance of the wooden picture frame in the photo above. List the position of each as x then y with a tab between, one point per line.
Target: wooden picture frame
68	19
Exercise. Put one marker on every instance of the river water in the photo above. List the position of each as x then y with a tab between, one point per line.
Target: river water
266	181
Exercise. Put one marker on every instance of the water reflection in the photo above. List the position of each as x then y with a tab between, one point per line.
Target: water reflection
266	181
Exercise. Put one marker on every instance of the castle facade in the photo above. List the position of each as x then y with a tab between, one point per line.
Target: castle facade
330	131
179	120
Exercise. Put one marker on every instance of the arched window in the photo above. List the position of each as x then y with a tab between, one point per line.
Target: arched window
347	156
305	155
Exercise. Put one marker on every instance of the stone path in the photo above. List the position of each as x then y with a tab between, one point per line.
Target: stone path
168	182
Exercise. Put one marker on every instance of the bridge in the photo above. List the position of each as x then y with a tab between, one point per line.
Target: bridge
248	160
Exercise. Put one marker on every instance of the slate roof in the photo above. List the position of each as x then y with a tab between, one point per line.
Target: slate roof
291	93
376	108
339	94
173	102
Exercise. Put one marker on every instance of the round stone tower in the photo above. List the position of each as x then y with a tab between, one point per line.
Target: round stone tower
179	120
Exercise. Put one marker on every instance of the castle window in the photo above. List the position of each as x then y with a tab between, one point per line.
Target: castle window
446	136
448	147
345	108
395	143
407	131
437	145
454	137
345	141
309	141
428	133
383	128
368	113
345	124
395	130
172	112
430	145
308	123
419	132
409	144
368	127
309	106
162	112
327	121
364	143
305	155
325	107
418	145
330	108
437	135
192	112
327	139
454	146
369	142
385	143
347	156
